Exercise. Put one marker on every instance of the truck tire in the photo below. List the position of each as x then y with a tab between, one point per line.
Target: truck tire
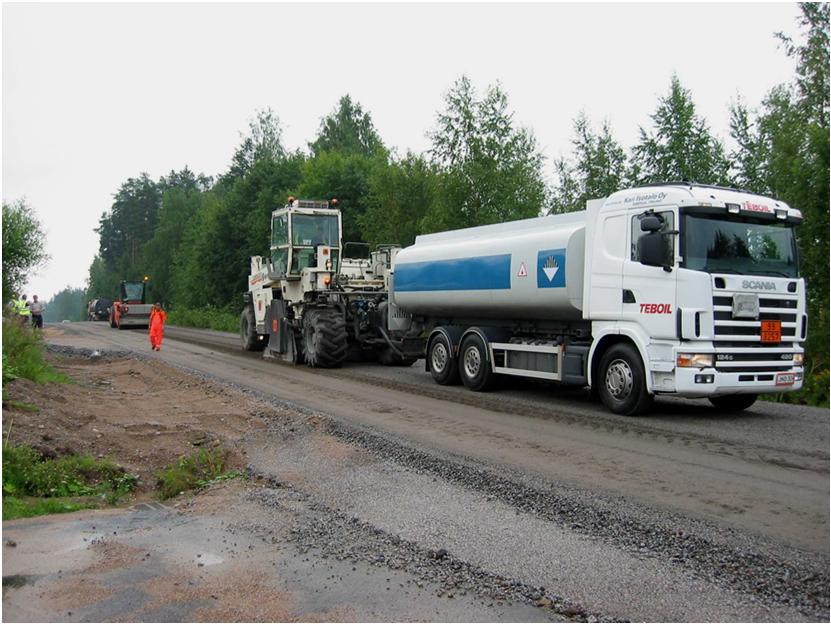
444	367
621	381
474	368
248	330
733	402
324	338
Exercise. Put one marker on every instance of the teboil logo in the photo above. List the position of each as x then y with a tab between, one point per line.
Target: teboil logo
656	308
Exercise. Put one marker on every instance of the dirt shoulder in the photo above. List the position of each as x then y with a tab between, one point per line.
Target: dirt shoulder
235	551
142	414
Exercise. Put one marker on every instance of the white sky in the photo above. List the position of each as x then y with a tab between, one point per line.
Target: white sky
96	93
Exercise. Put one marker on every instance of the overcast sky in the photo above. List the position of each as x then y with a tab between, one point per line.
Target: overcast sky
94	94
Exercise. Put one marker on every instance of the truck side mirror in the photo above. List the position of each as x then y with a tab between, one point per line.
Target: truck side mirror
651	224
653	249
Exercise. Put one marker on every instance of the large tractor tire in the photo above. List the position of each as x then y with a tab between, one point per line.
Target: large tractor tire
249	339
324	338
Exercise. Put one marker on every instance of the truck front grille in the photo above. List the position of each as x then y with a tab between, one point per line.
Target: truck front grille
738	342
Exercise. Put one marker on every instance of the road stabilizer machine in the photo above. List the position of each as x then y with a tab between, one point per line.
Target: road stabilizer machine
678	289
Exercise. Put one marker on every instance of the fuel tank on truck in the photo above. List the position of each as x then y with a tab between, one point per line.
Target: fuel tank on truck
529	269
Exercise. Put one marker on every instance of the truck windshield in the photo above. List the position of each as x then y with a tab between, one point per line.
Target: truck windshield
311	230
743	246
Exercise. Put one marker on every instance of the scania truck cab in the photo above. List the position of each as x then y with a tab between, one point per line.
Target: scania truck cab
676	288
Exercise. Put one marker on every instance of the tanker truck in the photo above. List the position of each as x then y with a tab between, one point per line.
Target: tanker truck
679	289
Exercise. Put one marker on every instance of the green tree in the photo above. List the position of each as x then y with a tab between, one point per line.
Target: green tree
491	169
345	177
596	169
23	246
786	143
679	146
263	142
67	304
400	195
102	281
129	224
348	130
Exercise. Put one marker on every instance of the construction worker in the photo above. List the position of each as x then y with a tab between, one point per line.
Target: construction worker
36	309
157	319
21	307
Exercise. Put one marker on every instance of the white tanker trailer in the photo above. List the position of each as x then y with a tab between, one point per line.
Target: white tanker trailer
676	289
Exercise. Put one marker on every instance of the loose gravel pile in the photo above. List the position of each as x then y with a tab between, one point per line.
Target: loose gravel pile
331	533
771	573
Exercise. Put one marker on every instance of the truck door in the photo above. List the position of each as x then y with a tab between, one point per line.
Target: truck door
649	291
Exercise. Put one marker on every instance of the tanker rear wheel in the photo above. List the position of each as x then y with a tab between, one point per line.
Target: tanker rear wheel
324	338
474	367
444	367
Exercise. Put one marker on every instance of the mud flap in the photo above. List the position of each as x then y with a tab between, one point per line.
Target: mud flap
282	342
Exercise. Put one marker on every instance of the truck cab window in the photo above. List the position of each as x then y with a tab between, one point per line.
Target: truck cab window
667	219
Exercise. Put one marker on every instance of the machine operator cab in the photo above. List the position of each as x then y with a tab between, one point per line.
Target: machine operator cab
300	231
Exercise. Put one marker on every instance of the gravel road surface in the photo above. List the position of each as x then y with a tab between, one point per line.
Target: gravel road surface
684	514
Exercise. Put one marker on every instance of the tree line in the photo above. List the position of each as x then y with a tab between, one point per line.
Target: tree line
193	234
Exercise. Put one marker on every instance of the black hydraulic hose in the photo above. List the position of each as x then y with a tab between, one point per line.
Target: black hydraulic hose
395	349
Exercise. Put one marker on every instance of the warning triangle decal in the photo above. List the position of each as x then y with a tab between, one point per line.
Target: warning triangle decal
523	272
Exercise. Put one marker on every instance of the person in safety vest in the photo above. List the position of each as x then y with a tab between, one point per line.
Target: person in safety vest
157	319
21	308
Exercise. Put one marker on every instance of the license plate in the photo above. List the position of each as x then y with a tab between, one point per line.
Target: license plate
772	331
784	379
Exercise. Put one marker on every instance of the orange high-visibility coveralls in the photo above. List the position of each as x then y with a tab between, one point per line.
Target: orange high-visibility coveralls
157	319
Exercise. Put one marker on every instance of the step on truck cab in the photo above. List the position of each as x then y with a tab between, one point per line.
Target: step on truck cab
679	289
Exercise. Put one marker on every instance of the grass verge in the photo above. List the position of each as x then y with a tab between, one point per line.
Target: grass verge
193	472
33	485
220	319
24	354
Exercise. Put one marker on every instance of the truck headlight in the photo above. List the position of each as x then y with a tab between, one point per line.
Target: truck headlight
694	360
798	358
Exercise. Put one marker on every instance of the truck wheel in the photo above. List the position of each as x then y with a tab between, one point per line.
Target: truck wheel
474	367
388	357
443	365
248	330
324	338
621	383
733	402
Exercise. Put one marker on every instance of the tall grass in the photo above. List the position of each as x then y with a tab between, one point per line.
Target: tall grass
193	471
220	319
24	354
33	485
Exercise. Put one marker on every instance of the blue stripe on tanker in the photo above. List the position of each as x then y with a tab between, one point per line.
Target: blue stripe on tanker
479	273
